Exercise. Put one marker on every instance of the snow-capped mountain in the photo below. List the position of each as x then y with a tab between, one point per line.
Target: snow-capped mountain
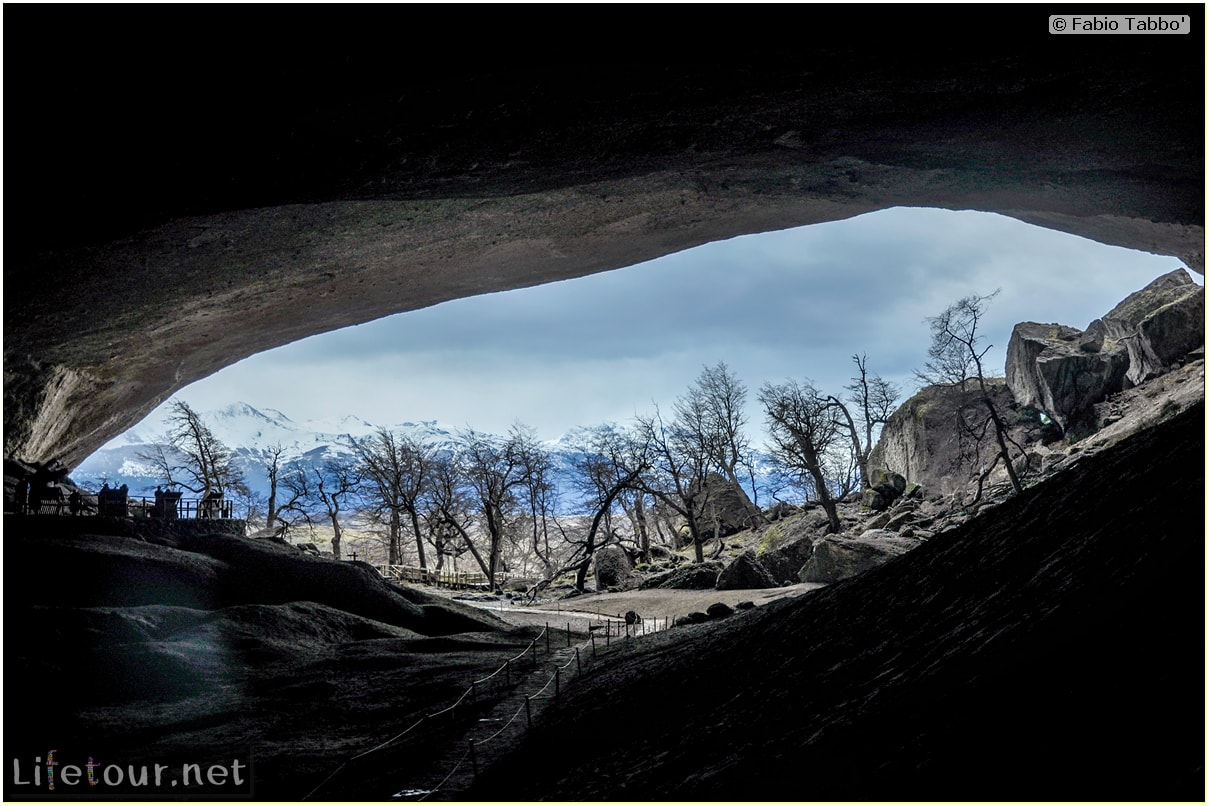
251	433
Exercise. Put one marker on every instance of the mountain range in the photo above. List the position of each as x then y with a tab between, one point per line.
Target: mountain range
250	433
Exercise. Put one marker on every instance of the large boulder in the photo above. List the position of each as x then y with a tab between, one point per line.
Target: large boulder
922	441
1168	320
885	487
728	506
697	576
613	568
1055	369
785	546
1065	372
745	572
835	558
784	562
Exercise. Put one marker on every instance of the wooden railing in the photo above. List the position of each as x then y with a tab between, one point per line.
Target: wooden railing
441	579
183	508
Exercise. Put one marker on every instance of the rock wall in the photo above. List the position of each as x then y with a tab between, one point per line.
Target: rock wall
922	442
1055	369
1065	372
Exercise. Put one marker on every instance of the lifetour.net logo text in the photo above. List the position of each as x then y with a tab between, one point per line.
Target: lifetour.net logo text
57	774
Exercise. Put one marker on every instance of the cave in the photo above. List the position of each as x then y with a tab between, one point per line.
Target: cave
178	210
204	185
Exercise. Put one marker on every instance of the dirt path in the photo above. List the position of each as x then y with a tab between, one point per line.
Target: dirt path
651	604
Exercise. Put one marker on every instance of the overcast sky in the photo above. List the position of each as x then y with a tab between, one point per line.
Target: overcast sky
791	304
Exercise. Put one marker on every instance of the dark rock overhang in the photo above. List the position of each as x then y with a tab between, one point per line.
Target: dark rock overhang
213	190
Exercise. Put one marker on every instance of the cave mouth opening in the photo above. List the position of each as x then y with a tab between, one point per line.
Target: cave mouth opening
794	303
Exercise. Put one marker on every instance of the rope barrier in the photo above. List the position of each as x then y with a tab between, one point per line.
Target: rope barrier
504	726
470	692
445	780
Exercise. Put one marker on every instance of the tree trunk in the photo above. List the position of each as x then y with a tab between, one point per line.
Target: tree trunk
581	573
470	545
644	537
336	535
825	500
271	516
496	541
1000	430
393	549
695	532
415	525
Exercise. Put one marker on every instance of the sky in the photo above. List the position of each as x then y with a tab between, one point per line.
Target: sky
797	303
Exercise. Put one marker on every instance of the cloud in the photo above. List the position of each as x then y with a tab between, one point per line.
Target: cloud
796	303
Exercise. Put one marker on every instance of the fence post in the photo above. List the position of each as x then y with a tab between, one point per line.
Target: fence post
593	646
547	638
474	760
556	684
528	713
568	633
579	669
606	637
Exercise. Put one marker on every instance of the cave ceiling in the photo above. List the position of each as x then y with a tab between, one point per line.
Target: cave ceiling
196	189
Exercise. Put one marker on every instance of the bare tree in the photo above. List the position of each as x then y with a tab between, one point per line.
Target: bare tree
320	493
447	512
273	469
681	460
496	471
714	405
394	470
874	399
191	457
802	432
955	360
251	504
610	461
541	496
634	503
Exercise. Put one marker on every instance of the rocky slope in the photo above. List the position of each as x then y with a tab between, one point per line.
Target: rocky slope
1051	649
204	647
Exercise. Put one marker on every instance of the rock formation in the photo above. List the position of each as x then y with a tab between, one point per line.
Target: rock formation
284	190
727	507
839	557
696	576
1066	372
989	664
208	571
613	568
885	487
743	573
784	563
921	440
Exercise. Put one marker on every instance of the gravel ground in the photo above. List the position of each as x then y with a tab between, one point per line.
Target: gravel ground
653	605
